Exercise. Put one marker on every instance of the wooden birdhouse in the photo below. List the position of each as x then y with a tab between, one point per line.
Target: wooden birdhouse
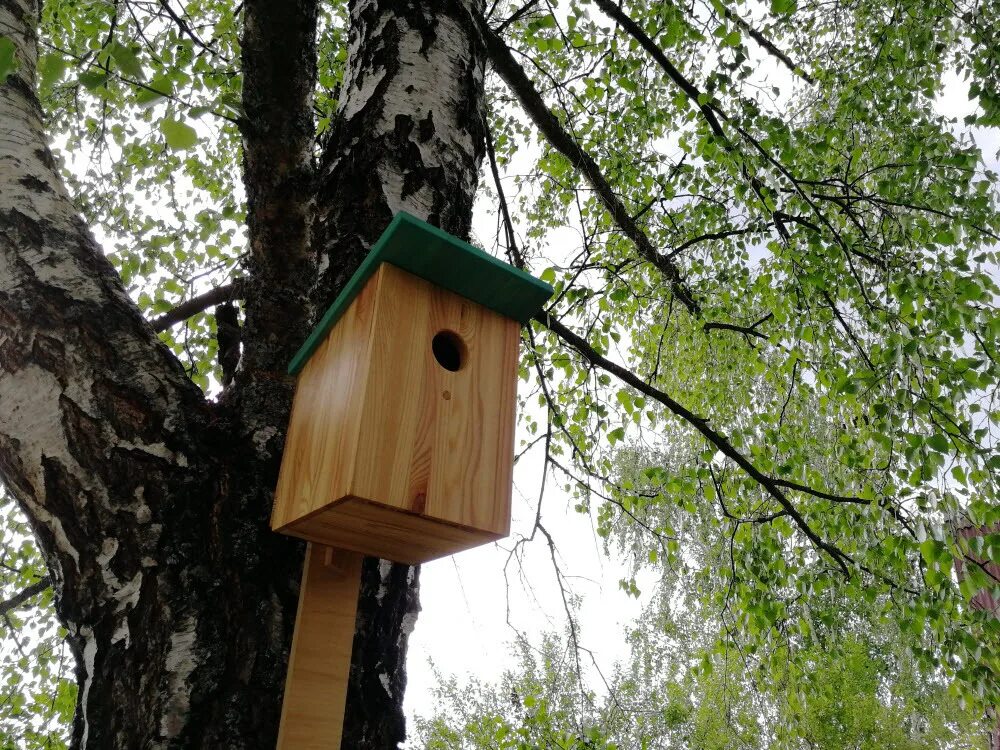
401	436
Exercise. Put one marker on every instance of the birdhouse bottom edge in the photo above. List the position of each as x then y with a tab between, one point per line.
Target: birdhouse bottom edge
371	528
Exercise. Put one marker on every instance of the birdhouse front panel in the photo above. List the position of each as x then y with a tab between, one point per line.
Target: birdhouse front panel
401	437
438	419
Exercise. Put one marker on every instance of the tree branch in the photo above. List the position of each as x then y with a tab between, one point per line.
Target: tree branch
750	330
195	305
769	484
768	45
715	236
548	124
512	246
692	92
24	595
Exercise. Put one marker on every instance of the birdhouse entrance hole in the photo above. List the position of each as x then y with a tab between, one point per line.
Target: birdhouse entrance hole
449	350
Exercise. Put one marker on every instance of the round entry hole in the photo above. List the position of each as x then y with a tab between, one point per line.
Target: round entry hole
449	351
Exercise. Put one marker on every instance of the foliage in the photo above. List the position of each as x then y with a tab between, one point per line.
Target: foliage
37	689
131	91
538	706
861	689
798	290
830	389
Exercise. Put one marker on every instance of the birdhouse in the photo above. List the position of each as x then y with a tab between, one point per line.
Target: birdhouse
401	437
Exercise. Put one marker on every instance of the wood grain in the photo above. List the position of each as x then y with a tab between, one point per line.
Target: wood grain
374	529
312	711
377	419
323	429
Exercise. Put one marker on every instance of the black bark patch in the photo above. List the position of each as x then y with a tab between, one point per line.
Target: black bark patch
12	468
63	497
425	22
13	354
30	231
50	354
403	127
33	183
426	131
46	158
380	653
412	182
84	435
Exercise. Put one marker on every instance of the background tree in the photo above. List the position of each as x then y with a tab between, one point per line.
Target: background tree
782	269
840	675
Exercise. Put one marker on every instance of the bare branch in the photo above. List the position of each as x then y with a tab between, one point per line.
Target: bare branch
512	249
195	305
24	596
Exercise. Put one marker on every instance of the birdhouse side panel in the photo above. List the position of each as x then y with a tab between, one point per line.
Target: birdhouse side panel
437	426
322	440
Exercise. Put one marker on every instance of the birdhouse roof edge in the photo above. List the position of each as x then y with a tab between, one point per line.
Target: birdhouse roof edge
444	260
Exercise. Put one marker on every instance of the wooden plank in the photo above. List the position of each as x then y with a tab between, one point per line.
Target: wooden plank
374	529
312	712
326	413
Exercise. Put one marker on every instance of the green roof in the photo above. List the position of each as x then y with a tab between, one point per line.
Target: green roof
443	259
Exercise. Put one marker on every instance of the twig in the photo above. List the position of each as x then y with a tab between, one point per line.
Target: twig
23	596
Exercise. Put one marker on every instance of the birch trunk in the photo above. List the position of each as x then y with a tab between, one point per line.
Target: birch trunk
151	503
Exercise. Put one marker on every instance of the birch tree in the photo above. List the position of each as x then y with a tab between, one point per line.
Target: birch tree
150	501
782	270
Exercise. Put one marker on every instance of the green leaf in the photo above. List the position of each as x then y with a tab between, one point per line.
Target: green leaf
179	135
939	442
784	6
159	88
93	78
51	68
8	63
945	237
148	97
930	550
128	61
